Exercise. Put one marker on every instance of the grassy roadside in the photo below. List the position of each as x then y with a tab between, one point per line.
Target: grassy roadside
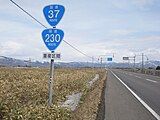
89	107
24	92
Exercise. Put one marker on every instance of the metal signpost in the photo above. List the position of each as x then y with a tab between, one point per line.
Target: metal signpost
109	58
52	38
131	58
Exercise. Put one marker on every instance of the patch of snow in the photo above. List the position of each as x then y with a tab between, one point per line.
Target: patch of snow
72	101
94	80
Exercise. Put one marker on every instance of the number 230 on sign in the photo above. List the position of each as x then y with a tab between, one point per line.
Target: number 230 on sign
52	38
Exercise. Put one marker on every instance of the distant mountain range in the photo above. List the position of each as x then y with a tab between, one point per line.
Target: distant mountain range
12	62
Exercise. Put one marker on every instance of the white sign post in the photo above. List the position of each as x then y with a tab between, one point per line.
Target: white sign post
50	84
52	56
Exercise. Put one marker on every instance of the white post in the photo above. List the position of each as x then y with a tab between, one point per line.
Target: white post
50	82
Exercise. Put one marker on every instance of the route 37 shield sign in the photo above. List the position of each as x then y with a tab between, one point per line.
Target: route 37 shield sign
53	14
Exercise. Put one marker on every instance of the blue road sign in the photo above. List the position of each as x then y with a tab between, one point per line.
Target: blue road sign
109	59
53	14
52	38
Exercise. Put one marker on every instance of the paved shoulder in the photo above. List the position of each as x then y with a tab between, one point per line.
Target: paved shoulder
120	104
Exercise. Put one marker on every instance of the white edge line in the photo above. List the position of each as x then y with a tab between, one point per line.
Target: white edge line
139	99
151	80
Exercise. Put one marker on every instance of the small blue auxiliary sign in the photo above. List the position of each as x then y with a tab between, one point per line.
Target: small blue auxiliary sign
53	14
52	38
109	59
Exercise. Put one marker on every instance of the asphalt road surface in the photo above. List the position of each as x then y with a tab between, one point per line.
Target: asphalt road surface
132	96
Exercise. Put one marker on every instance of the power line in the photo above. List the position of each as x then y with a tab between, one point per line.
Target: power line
46	27
27	13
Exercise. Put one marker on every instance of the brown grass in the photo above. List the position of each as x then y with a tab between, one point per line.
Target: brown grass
88	110
24	92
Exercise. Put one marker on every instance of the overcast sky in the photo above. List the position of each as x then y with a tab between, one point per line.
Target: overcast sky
122	27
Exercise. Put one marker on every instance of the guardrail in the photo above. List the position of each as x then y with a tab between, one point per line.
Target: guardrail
152	72
145	71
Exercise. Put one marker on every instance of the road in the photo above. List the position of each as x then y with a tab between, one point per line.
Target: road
132	96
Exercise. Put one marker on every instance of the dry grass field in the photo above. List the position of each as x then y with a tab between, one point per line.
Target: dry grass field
24	92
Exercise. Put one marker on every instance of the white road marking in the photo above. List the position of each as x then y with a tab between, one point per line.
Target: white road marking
151	80
137	76
139	99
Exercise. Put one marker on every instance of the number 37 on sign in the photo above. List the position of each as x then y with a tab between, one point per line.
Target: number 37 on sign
53	14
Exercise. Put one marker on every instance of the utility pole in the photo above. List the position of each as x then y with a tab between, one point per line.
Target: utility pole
101	62
142	62
101	58
29	62
92	62
134	61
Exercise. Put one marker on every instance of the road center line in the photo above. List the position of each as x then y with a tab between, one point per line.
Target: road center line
151	80
139	99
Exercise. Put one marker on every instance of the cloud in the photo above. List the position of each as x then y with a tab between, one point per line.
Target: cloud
127	4
119	4
96	29
120	32
10	47
143	3
151	38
